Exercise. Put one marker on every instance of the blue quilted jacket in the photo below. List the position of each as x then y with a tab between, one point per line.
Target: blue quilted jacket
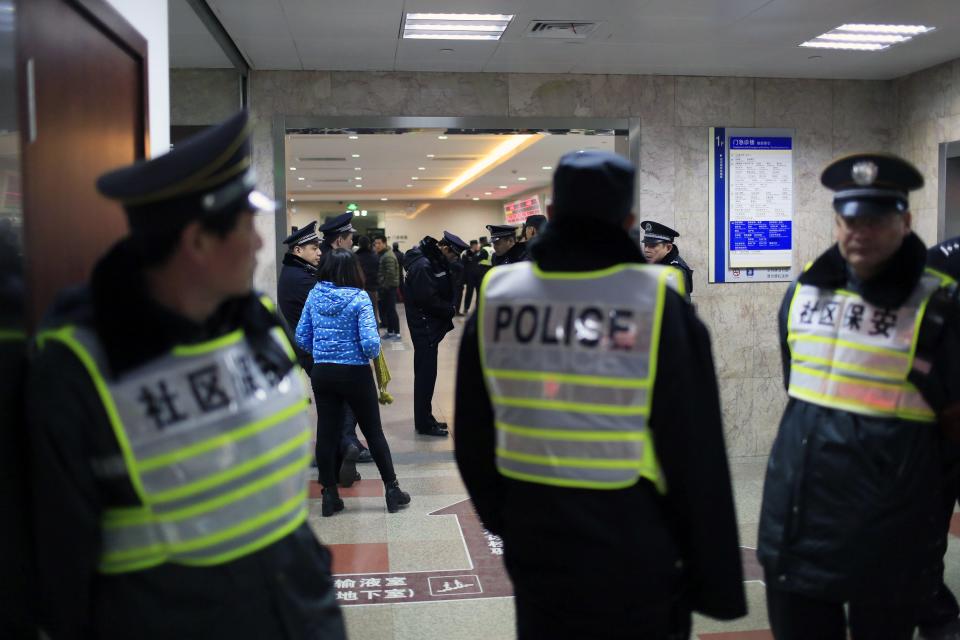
338	325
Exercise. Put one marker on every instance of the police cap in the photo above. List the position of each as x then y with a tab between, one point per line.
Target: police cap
656	233
207	174
455	242
336	226
303	236
595	184
498	231
871	184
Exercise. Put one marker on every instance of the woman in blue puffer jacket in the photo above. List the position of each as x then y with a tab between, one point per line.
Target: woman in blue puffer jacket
339	328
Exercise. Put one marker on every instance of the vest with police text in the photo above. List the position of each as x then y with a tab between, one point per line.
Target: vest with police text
215	446
848	354
569	359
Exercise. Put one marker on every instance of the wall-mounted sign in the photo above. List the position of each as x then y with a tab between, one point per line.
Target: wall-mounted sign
519	210
751	205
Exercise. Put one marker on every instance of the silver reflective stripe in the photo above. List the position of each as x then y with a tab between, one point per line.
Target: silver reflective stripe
567	359
851	355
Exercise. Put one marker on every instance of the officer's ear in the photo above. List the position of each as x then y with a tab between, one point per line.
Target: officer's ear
629	221
907	223
196	242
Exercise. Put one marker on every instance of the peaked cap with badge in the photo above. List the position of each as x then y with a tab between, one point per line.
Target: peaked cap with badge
498	231
339	224
455	242
656	233
207	174
871	184
303	235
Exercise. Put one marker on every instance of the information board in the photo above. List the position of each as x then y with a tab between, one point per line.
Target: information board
751	205
519	210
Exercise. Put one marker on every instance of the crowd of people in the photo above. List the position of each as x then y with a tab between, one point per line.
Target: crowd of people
171	447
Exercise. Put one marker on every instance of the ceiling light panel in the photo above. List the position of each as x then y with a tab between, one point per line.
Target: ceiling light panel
866	37
455	26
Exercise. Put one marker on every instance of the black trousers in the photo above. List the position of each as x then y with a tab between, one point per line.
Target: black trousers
797	617
337	385
459	297
537	620
388	310
473	286
424	382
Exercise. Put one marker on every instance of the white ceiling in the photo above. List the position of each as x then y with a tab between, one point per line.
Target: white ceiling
389	162
683	37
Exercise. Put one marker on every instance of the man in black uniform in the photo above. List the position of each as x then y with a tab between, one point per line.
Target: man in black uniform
472	271
853	501
659	248
533	226
297	277
428	302
615	507
506	249
168	424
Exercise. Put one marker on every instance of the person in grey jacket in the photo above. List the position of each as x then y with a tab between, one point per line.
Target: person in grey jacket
388	279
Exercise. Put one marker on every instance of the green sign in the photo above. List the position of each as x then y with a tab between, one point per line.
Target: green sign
352	206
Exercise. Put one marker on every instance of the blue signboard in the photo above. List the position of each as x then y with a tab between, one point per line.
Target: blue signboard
761	235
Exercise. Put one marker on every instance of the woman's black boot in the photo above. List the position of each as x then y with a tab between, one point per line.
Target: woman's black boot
396	497
331	502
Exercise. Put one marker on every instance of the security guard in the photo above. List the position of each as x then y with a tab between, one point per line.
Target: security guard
659	247
506	249
852	502
532	227
170	436
577	437
297	277
337	234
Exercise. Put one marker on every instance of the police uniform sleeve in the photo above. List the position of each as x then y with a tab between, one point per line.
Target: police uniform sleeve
782	328
688	437
474	436
425	293
63	415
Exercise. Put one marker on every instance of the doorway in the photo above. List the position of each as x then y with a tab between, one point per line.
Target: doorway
949	205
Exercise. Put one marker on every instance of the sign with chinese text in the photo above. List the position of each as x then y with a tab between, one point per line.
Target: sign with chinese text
519	210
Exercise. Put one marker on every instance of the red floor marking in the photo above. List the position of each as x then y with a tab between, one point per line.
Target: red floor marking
367	557
361	489
737	635
955	525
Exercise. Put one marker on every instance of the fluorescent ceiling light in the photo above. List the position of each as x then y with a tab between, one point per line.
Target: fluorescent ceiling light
866	37
501	153
358	186
354	137
293	168
409	185
356	155
503	186
487	193
522	179
441	137
546	168
476	198
383	199
421	168
430	155
357	169
301	178
455	26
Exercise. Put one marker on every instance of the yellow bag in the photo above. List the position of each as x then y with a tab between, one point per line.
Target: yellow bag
383	378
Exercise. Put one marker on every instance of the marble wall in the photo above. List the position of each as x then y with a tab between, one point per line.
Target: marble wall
830	118
928	113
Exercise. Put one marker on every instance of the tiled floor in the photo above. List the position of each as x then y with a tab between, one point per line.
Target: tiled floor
430	571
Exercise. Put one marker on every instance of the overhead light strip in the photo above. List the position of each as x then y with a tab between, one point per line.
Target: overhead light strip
866	37
455	26
501	153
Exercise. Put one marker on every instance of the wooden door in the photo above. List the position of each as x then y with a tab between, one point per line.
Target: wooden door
83	76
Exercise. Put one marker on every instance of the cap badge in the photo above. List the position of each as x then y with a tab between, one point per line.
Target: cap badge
648	227
864	173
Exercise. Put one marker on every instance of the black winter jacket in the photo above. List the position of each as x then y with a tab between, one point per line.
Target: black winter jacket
647	553
297	278
851	504
674	260
428	291
517	253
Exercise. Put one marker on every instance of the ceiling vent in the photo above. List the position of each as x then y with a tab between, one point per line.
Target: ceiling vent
561	29
320	159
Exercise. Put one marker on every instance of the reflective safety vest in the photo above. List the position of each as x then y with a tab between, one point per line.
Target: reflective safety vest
488	260
216	448
848	354
569	359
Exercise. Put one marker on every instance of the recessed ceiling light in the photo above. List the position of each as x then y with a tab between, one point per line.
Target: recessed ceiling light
414	178
455	26
293	199
430	155
409	185
293	168
476	198
358	177
383	199
358	186
522	179
357	169
421	168
487	193
866	37
503	186
354	137
356	155
441	137
301	178
363	212
546	168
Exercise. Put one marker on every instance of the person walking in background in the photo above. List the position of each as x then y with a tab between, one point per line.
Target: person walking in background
339	329
370	266
388	280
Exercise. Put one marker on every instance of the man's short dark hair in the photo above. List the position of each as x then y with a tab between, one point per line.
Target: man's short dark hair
472	242
382	238
156	247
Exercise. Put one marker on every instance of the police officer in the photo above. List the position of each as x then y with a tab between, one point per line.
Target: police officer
659	248
577	437
169	426
337	234
506	249
852	505
429	305
297	277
